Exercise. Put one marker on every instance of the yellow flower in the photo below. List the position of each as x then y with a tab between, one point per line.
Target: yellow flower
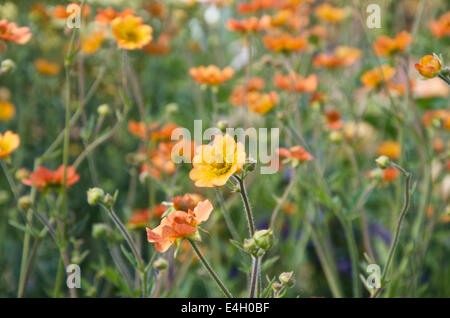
374	77
390	149
7	111
8	143
91	43
130	32
328	13
215	164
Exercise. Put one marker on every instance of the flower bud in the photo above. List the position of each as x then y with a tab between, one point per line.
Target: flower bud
264	239
99	230
108	200
222	125
429	66
104	110
287	279
22	174
172	108
94	195
24	203
376	174
7	66
250	246
161	264
335	136
382	162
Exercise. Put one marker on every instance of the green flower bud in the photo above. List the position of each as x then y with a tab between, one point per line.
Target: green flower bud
264	239
382	162
108	201
222	125
100	230
7	66
286	279
94	195
172	108
24	203
161	264
250	246
104	110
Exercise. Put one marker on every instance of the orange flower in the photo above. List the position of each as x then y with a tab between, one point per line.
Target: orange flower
9	31
327	13
178	225
156	9
386	46
154	132
437	115
92	42
374	78
60	11
140	218
46	67
429	66
9	142
7	111
333	119
160	47
295	83
284	42
105	16
262	103
342	56
215	164
130	32
254	6
252	24
239	93
390	174
391	149
441	27
211	75
297	154
187	202
44	178
164	133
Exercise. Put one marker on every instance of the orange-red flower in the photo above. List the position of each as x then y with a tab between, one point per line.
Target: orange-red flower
262	103
154	131
429	66
342	56
160	46
389	148
375	77
178	225
130	32
252	24
334	119
45	67
215	164
60	11
105	16
240	93
44	178
187	202
295	83
284	42
10	32
9	142
141	217
441	26
439	115
296	154
211	75
386	46
254	6
92	42
328	13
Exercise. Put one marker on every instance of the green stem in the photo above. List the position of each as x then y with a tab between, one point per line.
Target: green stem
210	269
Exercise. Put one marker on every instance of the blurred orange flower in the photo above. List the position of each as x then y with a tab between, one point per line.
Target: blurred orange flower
333	119
105	16
60	11
46	67
437	115
178	225
375	77
441	26
160	46
386	46
7	111
429	66
187	202
284	42
239	94
92	42
215	164
9	142
10	32
295	83
140	218
155	132
262	103
389	148
211	75
296	153
130	32
342	56
252	24
44	178
328	13
254	6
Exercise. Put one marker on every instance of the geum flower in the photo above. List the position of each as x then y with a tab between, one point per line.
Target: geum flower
386	46
252	24
130	32
105	16
295	155
92	42
342	56
10	32
334	121
328	13
44	178
284	43
211	75
9	142
441	26
178	225
295	83
215	164
7	110
375	77
262	103
429	66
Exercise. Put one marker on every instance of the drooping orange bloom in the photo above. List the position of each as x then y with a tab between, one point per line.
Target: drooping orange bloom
140	218
328	13
441	26
437	115
284	42
105	16
7	111
160	46
429	66
295	83
342	56
386	46
10	32
389	148
252	24
92	42
215	164
333	119
178	225
9	142
130	32
262	103
375	77
44	178
61	12
211	75
45	67
187	201
297	153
